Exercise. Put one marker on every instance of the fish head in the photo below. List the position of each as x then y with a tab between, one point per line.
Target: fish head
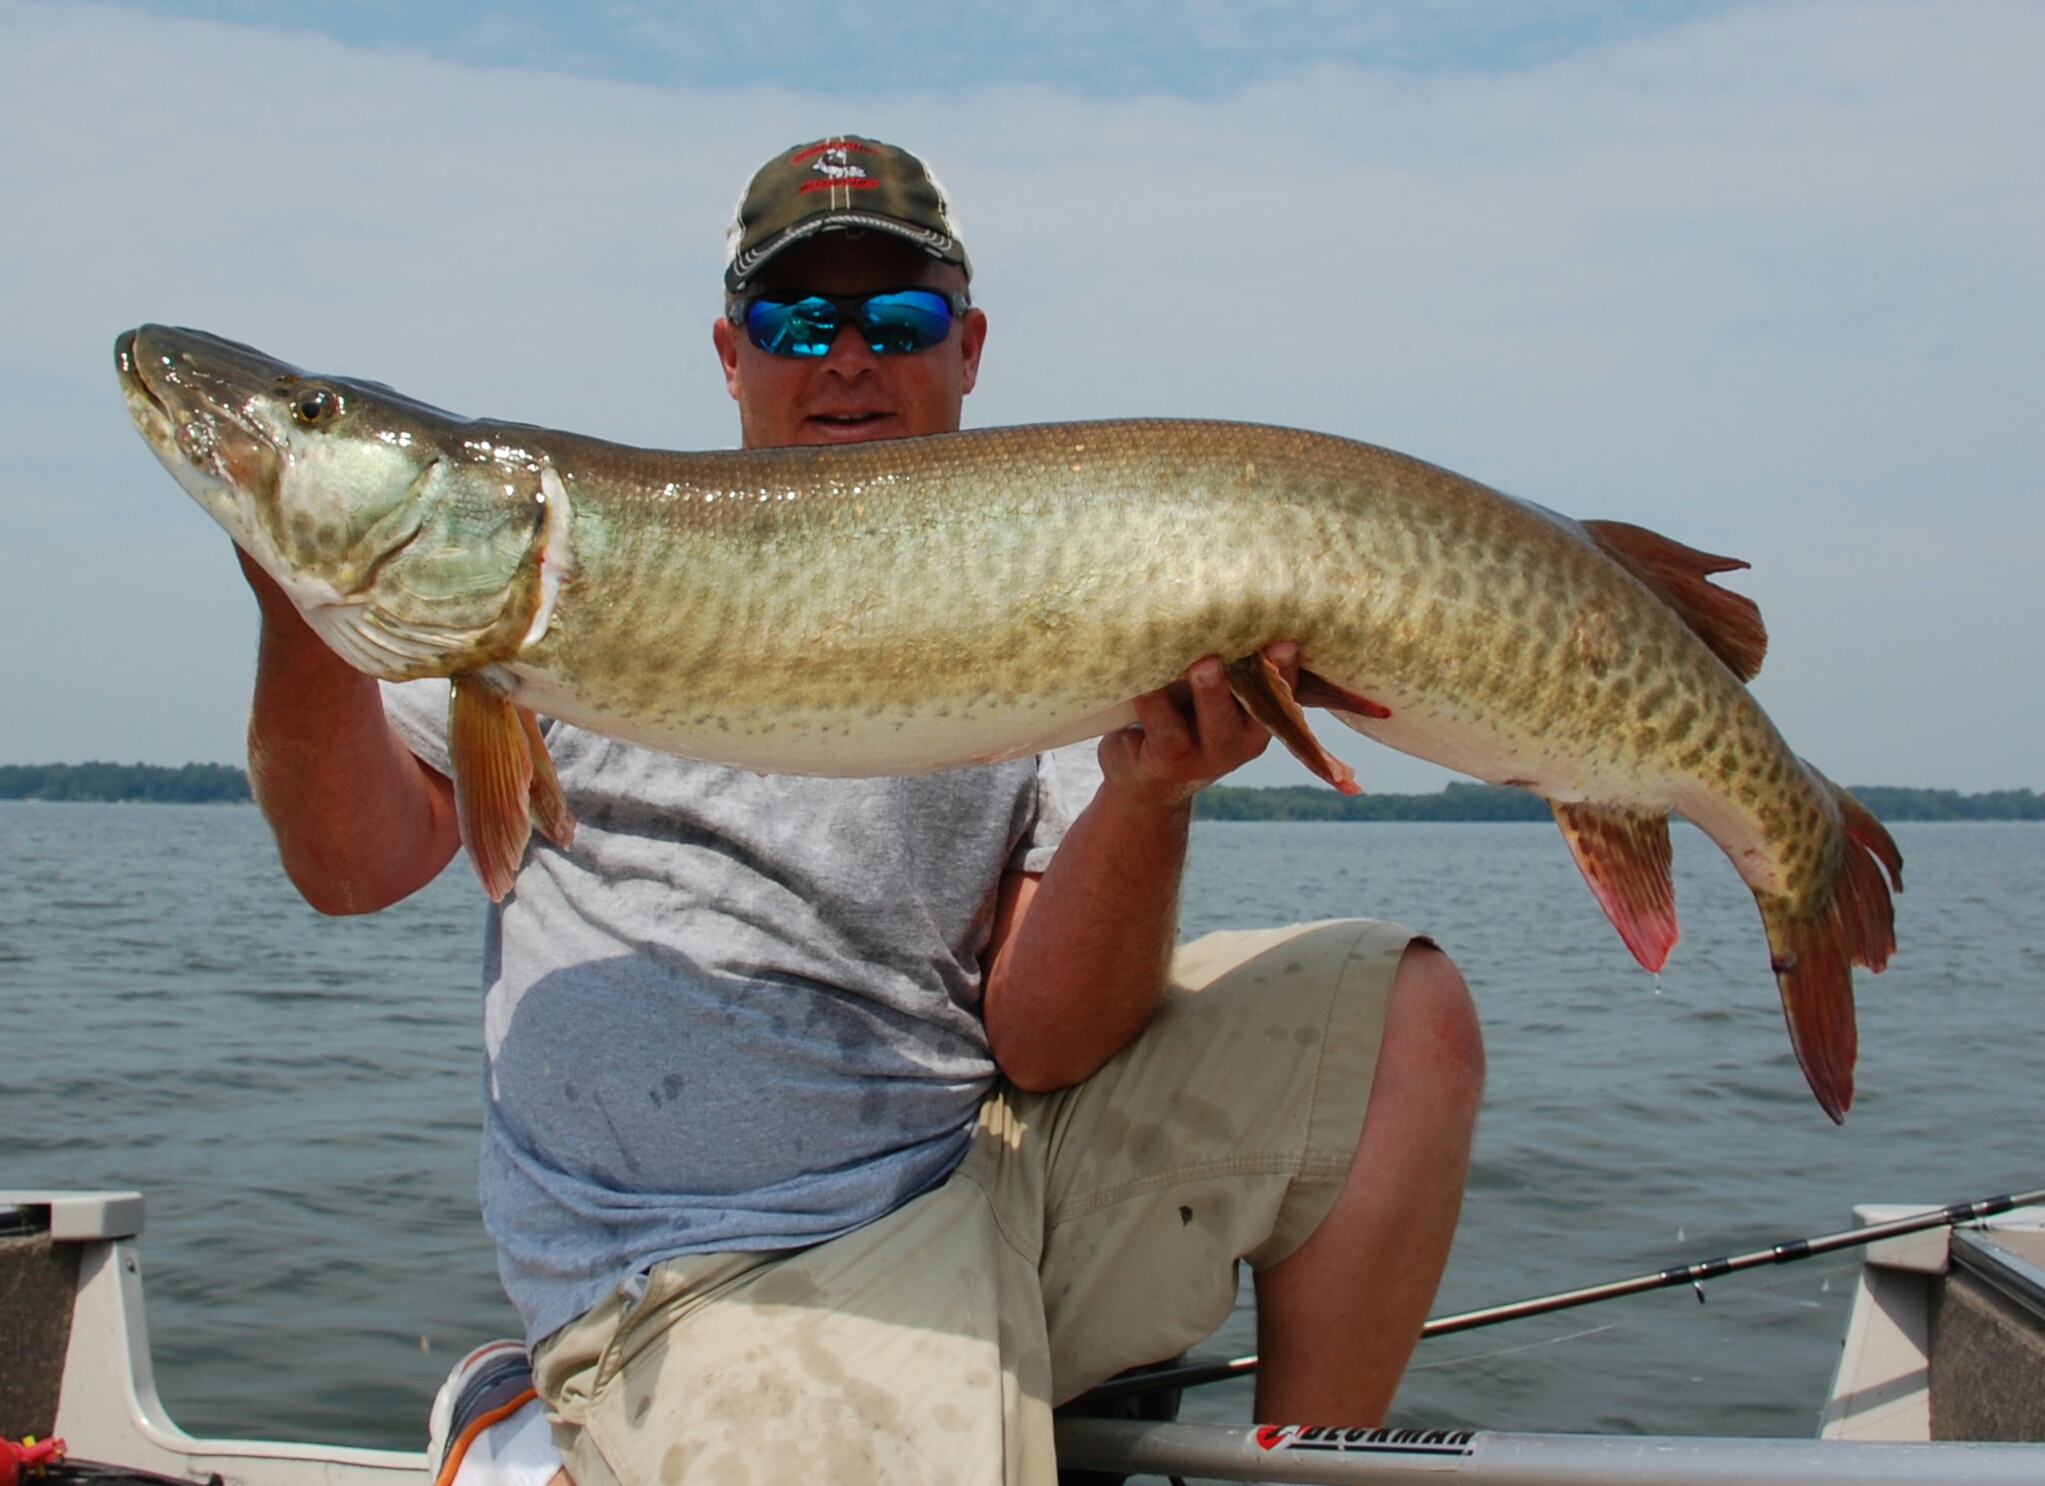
412	546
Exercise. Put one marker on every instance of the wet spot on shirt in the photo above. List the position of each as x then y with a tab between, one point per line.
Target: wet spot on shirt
848	1457
950	1419
819	1363
1293	967
1151	1146
1185	1216
785	1287
877	1408
1203	1118
1307	1036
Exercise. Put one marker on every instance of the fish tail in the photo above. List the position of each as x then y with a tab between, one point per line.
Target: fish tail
1816	948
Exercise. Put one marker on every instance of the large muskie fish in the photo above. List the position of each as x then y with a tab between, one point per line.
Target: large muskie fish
900	607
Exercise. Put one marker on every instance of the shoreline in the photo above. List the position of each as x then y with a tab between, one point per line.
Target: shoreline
226	784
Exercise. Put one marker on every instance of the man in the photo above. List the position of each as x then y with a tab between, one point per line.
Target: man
836	1129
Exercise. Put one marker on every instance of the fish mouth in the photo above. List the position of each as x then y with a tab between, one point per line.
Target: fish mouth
147	409
203	405
200	403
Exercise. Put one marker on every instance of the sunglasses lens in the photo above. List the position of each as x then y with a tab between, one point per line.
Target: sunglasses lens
909	320
802	327
892	324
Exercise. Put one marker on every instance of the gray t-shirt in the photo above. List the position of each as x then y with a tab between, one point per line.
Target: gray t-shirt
743	1011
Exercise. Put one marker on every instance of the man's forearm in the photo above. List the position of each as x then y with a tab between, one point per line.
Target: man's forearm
1078	961
360	822
1085	970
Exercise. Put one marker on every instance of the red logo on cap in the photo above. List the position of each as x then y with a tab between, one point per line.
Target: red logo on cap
837	169
844	144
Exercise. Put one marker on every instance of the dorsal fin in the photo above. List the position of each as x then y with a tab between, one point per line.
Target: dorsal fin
1729	623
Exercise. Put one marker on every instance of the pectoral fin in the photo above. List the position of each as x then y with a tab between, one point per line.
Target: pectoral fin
493	780
1625	857
550	809
1318	691
1260	686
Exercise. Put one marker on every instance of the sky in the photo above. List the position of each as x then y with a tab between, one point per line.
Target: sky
1764	277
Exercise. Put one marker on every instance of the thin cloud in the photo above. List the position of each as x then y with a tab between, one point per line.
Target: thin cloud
1765	280
855	48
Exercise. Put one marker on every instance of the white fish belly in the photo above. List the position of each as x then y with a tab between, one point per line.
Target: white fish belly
836	744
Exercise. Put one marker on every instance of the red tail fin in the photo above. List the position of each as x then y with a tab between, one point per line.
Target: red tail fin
1815	950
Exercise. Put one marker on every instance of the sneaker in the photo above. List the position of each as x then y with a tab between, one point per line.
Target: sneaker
493	1382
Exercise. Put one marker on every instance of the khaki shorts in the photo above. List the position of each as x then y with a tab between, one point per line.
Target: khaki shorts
1086	1231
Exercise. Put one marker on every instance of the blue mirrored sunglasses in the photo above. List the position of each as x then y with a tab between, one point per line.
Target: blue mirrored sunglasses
894	322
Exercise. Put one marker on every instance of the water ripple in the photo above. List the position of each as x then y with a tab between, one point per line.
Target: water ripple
299	1097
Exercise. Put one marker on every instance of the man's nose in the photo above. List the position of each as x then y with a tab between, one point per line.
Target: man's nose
850	354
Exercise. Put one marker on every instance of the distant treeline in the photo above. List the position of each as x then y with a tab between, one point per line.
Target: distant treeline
1318	802
1891	803
210	784
192	784
1466	802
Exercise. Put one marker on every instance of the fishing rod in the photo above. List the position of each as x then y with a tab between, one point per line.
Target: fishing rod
1192	1374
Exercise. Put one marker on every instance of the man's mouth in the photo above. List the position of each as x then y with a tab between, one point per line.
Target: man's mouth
835	427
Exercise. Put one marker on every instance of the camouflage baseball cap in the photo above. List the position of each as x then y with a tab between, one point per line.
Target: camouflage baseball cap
839	183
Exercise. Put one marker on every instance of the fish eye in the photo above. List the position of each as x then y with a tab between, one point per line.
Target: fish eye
316	406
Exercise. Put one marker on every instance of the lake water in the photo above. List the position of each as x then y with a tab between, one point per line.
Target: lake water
298	1098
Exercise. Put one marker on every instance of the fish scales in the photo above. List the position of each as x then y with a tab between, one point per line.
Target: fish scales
910	605
903	593
889	597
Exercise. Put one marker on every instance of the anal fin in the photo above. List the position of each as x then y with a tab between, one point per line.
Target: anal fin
1625	857
1260	686
493	780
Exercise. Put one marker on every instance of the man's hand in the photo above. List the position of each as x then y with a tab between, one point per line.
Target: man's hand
1188	734
360	822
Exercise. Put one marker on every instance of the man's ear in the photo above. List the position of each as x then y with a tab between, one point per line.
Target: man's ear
972	337
725	338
